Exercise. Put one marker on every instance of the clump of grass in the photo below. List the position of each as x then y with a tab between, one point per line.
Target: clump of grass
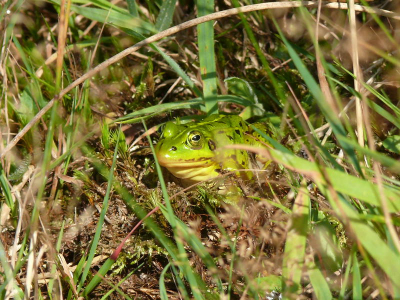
77	172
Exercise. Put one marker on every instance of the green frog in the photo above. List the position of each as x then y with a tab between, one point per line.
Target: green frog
196	151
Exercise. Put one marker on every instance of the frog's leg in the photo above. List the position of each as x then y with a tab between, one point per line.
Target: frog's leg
230	190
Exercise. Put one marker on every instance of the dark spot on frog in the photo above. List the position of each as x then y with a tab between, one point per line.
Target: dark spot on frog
211	145
173	148
160	129
243	163
218	171
237	131
221	132
229	137
194	159
233	156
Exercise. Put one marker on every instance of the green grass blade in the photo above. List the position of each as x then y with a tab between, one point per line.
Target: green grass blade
119	19
205	37
170	216
294	254
115	287
383	98
315	90
104	4
96	237
384	113
340	181
107	295
277	205
172	249
164	18
7	274
77	274
174	65
132	8
6	191
373	91
357	287
321	287
163	290
381	25
346	278
180	283
390	163
54	267
4	9
198	103
375	106
158	233
233	250
98	277
181	233
387	258
279	87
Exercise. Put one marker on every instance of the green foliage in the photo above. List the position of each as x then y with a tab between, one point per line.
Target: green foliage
328	254
138	250
320	221
392	143
244	90
295	247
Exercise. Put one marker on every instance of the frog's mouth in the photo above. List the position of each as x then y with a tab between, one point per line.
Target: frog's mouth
184	163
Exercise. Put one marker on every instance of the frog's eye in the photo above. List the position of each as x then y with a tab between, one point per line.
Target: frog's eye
195	138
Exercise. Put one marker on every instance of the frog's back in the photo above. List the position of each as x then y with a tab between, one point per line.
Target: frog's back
215	122
232	129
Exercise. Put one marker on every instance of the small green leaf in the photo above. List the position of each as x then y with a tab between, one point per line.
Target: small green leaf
392	143
328	254
269	283
241	88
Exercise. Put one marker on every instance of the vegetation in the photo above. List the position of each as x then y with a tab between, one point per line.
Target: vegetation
86	84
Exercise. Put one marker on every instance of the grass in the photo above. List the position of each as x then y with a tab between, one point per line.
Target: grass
85	86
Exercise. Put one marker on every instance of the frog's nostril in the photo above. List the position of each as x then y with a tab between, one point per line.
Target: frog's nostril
173	148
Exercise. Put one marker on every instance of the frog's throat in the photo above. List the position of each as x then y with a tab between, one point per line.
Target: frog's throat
201	162
194	174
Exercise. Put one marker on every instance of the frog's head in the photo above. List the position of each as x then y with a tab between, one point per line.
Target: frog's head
184	146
